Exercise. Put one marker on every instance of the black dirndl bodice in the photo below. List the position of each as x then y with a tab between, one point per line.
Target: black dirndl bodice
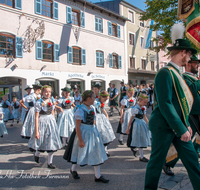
67	106
30	104
5	105
89	119
48	112
15	106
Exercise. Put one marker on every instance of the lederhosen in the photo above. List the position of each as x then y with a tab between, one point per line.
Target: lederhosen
68	151
112	102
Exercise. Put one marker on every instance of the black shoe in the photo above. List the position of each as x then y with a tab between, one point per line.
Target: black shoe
101	179
144	159
111	114
134	152
37	159
74	174
168	170
51	166
120	142
11	125
108	155
17	121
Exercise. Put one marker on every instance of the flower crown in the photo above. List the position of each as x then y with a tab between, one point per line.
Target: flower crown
104	95
145	97
46	86
131	89
86	93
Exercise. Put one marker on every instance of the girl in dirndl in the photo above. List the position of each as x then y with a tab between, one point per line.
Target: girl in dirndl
29	123
3	130
137	130
85	145
102	121
77	98
16	112
126	104
7	111
45	136
66	122
96	89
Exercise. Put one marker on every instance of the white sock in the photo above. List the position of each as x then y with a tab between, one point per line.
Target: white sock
141	152
121	137
73	168
50	157
12	121
37	153
97	172
106	149
64	140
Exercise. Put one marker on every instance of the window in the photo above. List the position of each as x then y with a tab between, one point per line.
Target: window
143	64
76	56
12	3
151	44
131	16
152	65
75	17
141	41
98	24
114	30
115	61
142	23
47	51
132	62
47	8
99	59
131	39
7	2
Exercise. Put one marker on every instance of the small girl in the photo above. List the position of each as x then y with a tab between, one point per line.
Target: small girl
138	133
66	123
85	144
29	123
96	89
16	110
45	136
102	121
77	98
24	111
6	109
3	130
127	103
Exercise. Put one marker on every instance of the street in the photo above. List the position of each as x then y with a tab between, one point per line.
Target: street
18	170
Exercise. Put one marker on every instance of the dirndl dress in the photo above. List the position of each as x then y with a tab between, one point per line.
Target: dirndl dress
66	121
23	115
103	124
77	100
49	139
29	123
3	130
6	111
15	112
139	133
129	104
93	153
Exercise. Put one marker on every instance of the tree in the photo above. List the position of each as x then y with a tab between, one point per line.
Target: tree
164	14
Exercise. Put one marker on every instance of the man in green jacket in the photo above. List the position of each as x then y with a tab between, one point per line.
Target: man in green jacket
169	120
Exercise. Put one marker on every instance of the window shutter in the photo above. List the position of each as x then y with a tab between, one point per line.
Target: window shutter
97	58
83	52
118	31
120	61
56	52
38	7
19	47
110	60
100	25
55	10
109	28
18	4
96	24
101	59
69	14
39	51
70	54
82	19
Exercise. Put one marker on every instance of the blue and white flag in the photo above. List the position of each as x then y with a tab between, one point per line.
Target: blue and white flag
148	34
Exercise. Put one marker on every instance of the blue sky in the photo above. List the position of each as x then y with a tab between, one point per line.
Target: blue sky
138	3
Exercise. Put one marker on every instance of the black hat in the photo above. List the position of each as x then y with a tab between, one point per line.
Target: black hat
122	82
194	58
28	87
97	84
37	84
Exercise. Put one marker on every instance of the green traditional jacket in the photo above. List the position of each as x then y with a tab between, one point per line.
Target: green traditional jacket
167	112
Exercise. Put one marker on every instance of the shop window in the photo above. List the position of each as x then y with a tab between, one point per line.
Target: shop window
152	65
47	8
99	59
12	3
143	64
131	16
98	24
114	29
132	62
131	39
141	41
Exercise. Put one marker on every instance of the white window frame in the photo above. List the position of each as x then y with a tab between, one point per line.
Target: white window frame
154	65
140	41
129	39
132	56
133	16
143	58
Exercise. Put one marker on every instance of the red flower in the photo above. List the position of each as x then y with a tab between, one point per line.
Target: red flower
93	113
49	104
102	105
143	109
97	96
131	101
69	101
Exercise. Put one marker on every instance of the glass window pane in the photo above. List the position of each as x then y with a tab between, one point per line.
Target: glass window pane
48	3
44	13
10	52
2	51
2	1
43	2
2	45
10	40
43	7
2	38
9	3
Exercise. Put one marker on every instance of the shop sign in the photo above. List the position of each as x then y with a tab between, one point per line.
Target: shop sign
98	76
75	76
48	74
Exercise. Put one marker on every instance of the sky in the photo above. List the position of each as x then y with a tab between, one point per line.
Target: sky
137	3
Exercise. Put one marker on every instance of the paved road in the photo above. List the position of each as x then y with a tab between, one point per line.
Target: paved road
19	171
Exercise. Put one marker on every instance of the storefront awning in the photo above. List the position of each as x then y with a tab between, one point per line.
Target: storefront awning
141	71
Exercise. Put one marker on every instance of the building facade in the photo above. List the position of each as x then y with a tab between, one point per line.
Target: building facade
141	63
60	42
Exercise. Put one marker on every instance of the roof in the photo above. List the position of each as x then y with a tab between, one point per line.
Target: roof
132	6
102	9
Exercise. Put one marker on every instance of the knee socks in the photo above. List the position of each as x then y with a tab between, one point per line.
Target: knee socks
74	167
106	149
64	140
37	153
97	172
141	152
50	157
121	137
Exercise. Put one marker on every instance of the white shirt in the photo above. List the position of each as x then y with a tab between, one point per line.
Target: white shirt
175	65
